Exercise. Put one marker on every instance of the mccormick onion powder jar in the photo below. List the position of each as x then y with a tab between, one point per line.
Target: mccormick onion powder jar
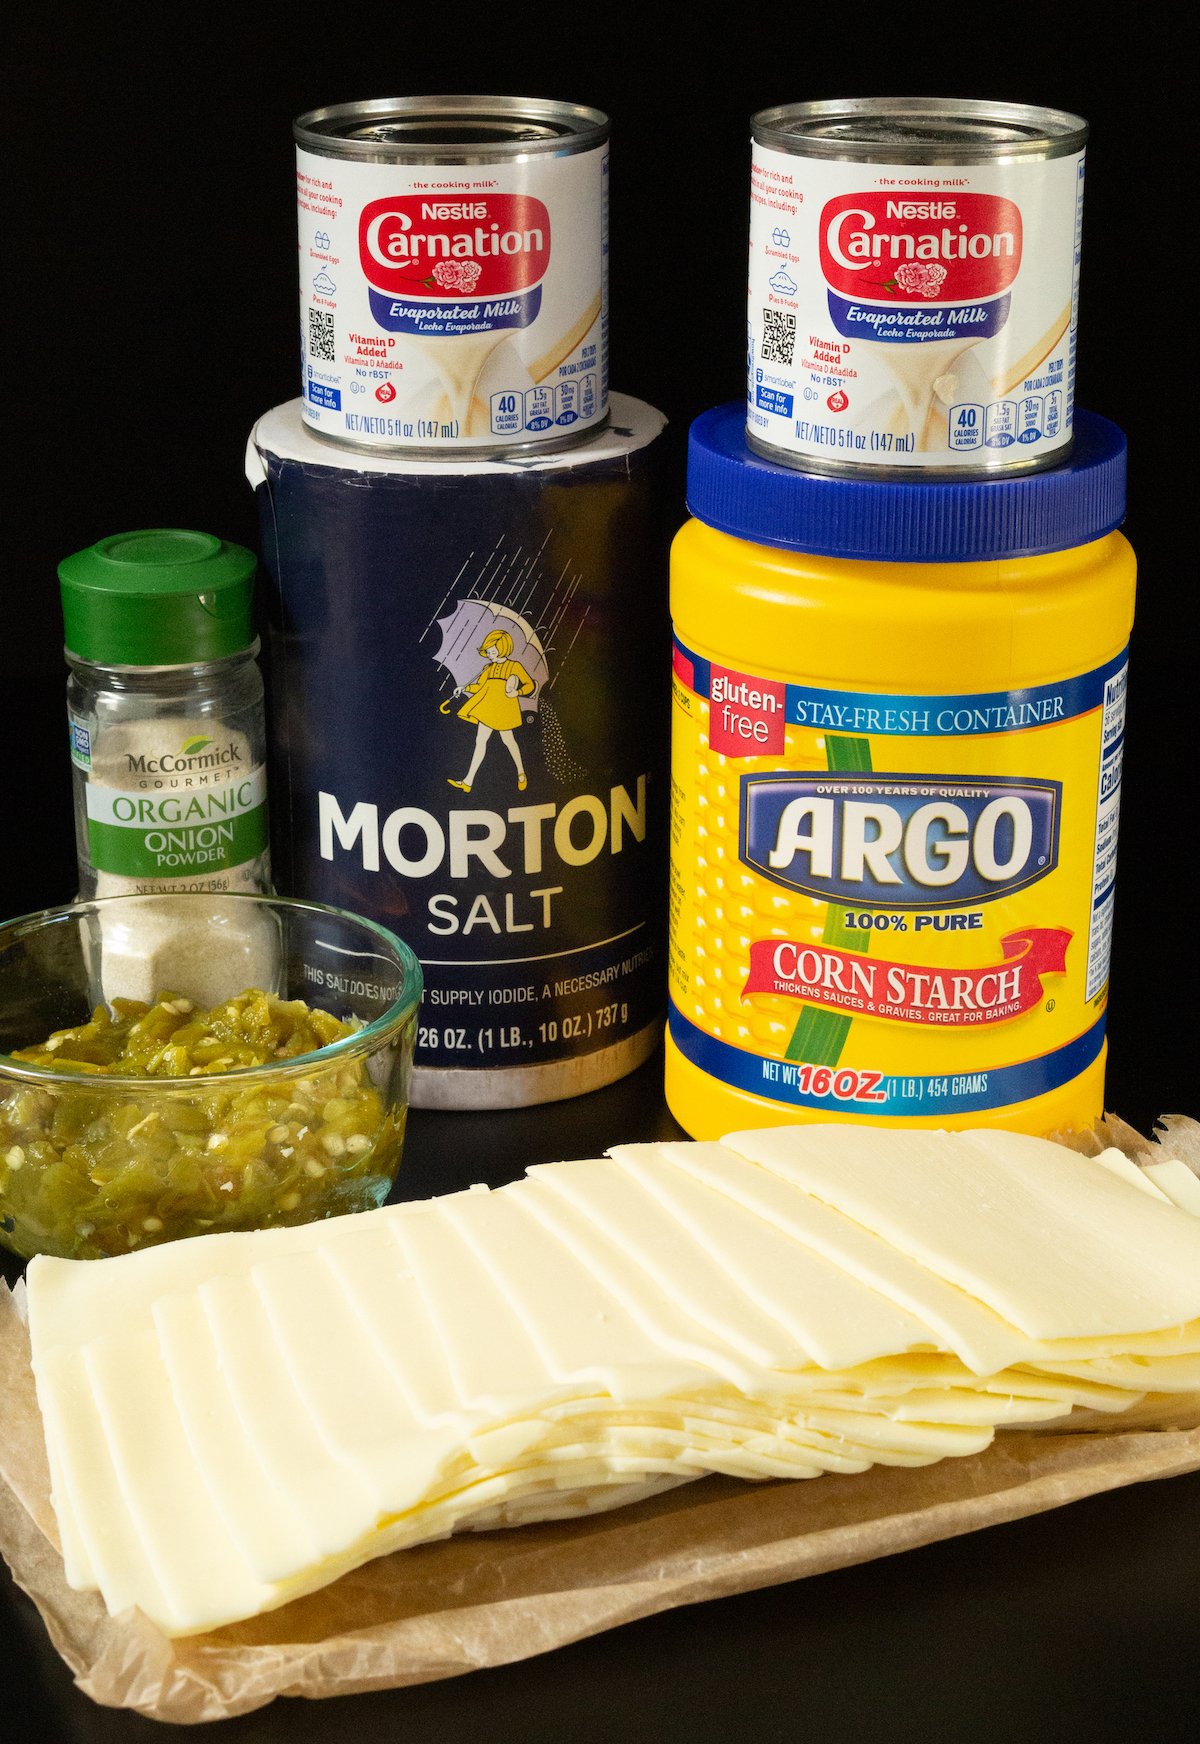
165	713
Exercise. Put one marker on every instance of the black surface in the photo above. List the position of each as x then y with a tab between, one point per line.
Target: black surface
151	289
151	286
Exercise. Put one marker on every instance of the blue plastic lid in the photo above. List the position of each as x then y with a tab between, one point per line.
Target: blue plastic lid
905	520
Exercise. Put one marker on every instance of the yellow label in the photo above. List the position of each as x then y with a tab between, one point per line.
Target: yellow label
887	905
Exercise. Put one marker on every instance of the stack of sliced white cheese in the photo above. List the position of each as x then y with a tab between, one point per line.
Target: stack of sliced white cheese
236	1420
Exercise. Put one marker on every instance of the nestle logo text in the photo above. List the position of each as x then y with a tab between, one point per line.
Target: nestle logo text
443	209
921	209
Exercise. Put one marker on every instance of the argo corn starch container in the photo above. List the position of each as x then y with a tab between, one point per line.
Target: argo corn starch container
454	273
896	772
914	284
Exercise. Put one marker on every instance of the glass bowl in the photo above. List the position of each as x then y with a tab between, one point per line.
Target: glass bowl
97	1165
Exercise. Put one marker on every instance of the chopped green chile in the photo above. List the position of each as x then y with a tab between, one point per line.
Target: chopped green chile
89	1169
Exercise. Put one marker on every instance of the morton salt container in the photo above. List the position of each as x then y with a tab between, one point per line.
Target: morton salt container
454	272
471	737
897	730
914	284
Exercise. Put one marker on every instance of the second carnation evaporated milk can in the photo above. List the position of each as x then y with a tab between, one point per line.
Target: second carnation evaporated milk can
454	273
914	279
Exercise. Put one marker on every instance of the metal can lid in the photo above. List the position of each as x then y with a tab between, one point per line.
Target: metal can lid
163	596
919	130
905	520
449	130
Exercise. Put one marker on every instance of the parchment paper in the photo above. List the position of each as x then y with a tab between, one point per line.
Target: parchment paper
488	1599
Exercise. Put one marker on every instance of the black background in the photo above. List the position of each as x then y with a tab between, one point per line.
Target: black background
151	290
153	282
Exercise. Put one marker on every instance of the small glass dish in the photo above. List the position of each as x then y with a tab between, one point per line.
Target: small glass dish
93	1165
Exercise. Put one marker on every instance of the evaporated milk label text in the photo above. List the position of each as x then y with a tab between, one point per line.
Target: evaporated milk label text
913	315
905	906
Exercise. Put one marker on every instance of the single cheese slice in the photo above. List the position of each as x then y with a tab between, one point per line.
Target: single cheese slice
1166	1374
1177	1181
1118	1164
64	1395
988	1211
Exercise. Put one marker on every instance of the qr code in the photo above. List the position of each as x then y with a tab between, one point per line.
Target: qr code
779	336
320	334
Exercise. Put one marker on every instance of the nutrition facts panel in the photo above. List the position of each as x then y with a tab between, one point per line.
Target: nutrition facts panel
1034	418
1108	810
539	408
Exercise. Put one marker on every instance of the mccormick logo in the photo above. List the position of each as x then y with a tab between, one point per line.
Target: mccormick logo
493	246
900	841
194	755
907	254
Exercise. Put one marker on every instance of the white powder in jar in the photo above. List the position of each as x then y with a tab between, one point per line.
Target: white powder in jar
203	947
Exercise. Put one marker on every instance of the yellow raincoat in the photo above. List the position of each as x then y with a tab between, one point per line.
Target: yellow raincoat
488	701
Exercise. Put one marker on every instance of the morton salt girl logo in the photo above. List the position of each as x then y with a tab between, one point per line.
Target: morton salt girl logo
907	270
454	266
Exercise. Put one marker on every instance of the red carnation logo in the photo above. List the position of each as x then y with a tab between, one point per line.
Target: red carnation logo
955	248
457	275
924	278
485	245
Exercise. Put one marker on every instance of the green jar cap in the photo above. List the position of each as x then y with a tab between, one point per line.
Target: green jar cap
162	597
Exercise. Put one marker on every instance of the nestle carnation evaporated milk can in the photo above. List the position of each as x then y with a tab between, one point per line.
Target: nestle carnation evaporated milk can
454	272
914	284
